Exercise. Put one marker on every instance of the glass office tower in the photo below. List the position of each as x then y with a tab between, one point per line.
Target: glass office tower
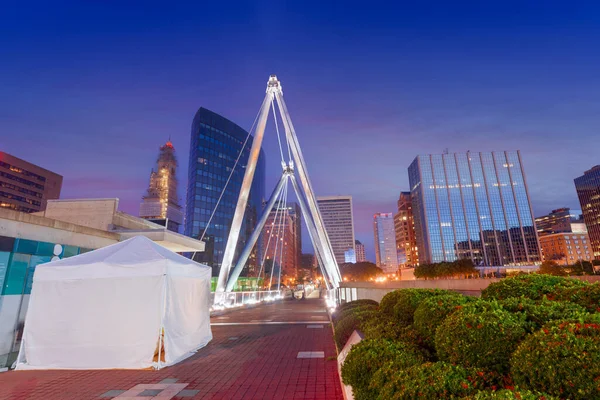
215	145
474	206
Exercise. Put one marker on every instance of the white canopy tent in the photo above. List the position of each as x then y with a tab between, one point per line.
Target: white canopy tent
107	308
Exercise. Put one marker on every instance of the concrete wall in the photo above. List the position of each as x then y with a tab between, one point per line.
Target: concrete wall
93	213
375	291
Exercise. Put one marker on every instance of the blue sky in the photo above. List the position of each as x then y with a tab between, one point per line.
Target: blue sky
92	89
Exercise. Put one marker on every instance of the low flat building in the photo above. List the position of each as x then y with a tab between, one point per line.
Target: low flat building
65	229
566	248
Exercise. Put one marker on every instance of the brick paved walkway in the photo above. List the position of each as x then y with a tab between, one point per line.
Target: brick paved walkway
254	355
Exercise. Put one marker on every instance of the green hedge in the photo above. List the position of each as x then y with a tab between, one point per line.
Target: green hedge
366	357
438	380
539	312
387	303
356	310
408	300
481	334
506	394
432	311
562	359
382	327
351	320
587	296
532	286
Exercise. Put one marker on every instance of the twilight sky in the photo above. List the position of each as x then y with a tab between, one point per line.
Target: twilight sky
91	89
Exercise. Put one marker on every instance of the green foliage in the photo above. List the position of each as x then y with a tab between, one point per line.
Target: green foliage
552	268
562	359
539	312
438	380
361	271
357	303
587	296
532	286
459	268
481	335
350	320
387	303
408	300
353	309
382	327
506	394
368	356
432	311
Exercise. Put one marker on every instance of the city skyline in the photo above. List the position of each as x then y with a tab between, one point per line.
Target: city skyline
108	88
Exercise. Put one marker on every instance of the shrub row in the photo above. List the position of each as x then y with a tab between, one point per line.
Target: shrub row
531	332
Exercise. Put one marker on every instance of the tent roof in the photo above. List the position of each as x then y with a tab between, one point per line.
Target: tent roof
136	254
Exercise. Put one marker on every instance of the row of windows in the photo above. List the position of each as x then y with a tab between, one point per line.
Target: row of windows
22	171
21	180
11	196
20	189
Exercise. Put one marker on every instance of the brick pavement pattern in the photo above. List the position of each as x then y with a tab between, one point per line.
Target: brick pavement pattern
253	355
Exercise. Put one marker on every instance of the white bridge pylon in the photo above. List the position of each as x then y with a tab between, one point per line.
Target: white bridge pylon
304	193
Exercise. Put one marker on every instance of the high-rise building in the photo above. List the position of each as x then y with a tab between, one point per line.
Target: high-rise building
339	223
280	239
361	256
473	206
588	191
215	145
406	239
566	248
161	202
559	221
26	187
385	242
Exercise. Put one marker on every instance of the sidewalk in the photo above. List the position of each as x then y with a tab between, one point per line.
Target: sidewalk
282	350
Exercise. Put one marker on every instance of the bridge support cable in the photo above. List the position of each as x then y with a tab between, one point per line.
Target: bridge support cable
304	192
238	216
285	214
312	231
300	166
239	266
266	249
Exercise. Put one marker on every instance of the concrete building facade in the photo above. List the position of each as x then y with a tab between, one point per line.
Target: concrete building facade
566	248
361	255
339	223
385	242
406	239
26	187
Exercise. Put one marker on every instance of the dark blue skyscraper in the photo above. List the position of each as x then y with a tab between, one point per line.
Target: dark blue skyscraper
215	145
474	206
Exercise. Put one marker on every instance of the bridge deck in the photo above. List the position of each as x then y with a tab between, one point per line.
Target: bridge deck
254	355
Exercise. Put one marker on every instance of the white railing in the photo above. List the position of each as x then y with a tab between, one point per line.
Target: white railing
238	299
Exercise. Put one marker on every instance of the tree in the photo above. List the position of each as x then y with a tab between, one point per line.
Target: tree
362	271
550	267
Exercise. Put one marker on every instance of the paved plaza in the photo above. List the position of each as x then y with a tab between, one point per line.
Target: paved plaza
281	350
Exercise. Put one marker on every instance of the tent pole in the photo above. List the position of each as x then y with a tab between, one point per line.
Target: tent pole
162	322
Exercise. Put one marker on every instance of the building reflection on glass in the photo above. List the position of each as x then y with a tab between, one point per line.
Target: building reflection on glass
474	206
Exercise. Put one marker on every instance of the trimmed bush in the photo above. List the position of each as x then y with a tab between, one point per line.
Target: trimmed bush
562	359
587	296
481	334
382	327
351	321
408	300
366	357
357	303
387	303
539	312
506	394
438	380
432	311
357	310
532	286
